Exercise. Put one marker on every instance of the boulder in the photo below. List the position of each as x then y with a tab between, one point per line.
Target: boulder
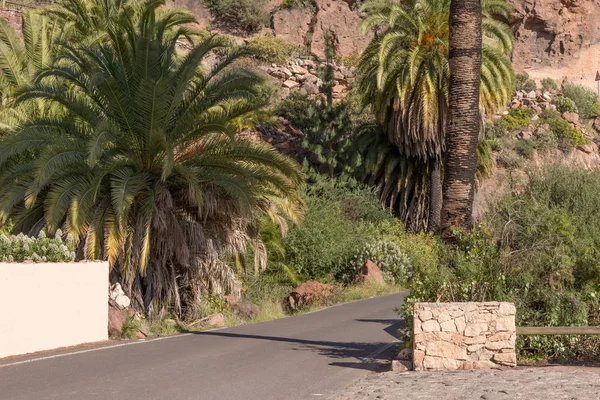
597	124
118	297
242	307
401	366
369	273
311	88
116	319
405	354
571	117
298	70
215	320
290	84
308	292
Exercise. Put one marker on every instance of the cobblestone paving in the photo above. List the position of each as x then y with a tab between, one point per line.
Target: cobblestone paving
540	383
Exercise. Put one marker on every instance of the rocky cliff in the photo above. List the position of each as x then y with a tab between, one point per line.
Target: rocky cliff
557	38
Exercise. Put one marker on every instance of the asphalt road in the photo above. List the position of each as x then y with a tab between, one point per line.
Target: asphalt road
310	356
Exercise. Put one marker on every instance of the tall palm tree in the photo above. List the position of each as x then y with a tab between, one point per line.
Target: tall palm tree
464	121
144	167
404	75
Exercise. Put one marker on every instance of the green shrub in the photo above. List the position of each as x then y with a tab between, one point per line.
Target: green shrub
41	249
340	217
509	158
568	136
293	4
524	148
545	140
522	82
295	109
549	84
351	60
269	49
565	104
517	118
584	98
389	258
249	15
496	129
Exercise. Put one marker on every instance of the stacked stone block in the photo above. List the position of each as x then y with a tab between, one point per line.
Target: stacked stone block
452	336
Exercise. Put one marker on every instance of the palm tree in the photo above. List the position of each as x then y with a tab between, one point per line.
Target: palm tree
144	168
404	75
21	61
464	121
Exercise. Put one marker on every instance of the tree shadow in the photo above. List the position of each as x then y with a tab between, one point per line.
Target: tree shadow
372	356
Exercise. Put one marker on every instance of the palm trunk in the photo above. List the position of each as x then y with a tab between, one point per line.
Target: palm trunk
463	116
435	198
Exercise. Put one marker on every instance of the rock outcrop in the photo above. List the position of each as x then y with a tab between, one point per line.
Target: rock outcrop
557	38
369	273
309	292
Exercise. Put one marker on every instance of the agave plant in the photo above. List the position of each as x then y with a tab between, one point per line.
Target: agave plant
144	167
404	75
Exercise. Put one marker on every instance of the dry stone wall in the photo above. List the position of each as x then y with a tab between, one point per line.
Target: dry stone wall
452	336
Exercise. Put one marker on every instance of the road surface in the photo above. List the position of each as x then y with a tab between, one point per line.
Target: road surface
310	356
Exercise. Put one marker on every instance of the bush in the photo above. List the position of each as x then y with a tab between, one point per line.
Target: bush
568	136
496	129
517	118
509	158
22	248
565	104
389	258
545	140
339	218
295	109
522	82
269	49
293	4
584	98
549	84
249	15
524	148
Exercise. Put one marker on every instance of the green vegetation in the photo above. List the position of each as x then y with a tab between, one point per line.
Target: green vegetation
22	248
524	83
248	15
536	249
545	140
568	136
517	118
549	84
295	109
584	98
565	104
328	137
269	49
294	4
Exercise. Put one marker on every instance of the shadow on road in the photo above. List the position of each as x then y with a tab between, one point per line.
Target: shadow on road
369	355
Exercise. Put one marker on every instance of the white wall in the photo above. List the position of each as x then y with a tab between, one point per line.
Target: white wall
45	306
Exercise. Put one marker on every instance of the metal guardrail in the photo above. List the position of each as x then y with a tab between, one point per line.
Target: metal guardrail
558	330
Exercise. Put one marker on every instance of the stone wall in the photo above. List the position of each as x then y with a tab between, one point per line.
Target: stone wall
451	336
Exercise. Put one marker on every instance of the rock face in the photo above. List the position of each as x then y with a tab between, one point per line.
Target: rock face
451	336
557	38
13	17
307	293
369	273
